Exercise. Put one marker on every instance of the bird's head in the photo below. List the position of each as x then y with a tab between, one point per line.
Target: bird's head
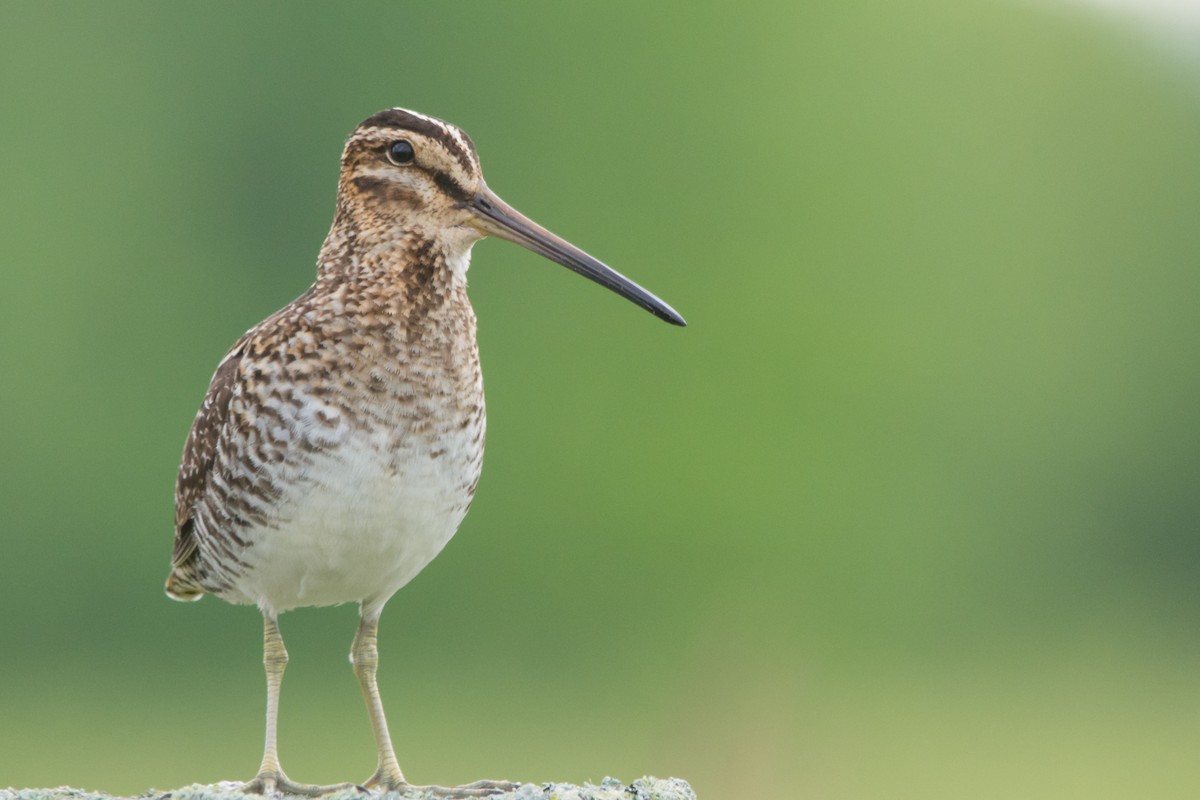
404	173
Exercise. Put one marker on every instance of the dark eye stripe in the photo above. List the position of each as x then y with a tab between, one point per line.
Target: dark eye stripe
450	186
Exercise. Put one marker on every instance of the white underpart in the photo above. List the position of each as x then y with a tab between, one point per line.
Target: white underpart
374	519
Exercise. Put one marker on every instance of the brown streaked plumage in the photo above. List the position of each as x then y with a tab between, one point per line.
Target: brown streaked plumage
341	439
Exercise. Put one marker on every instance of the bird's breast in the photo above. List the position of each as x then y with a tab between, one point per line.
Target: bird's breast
378	446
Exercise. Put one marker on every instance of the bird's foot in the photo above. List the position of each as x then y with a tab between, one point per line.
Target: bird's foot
277	783
396	783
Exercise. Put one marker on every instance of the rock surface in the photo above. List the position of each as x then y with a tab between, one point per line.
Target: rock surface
609	789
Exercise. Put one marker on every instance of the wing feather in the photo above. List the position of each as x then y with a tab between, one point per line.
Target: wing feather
201	449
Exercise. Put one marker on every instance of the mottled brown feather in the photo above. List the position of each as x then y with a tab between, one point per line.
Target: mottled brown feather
384	340
199	452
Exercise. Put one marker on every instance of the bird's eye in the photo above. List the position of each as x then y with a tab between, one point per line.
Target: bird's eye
401	152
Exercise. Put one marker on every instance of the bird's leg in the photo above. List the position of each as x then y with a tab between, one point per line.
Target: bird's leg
271	778
365	657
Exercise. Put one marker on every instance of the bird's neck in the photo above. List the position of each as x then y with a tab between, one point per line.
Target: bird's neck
395	254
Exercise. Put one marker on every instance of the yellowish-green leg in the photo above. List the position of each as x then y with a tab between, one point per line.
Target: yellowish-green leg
365	656
271	777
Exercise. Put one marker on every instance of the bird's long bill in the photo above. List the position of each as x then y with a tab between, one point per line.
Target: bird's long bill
497	218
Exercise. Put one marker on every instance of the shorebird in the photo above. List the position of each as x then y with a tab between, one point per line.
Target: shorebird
341	439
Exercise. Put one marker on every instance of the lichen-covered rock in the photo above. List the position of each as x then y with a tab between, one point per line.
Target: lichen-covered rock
609	789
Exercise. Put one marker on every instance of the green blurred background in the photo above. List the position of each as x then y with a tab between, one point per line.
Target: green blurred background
910	510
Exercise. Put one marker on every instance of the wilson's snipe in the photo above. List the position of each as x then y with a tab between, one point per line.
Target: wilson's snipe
341	439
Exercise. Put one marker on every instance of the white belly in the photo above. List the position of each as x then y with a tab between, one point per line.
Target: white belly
362	525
